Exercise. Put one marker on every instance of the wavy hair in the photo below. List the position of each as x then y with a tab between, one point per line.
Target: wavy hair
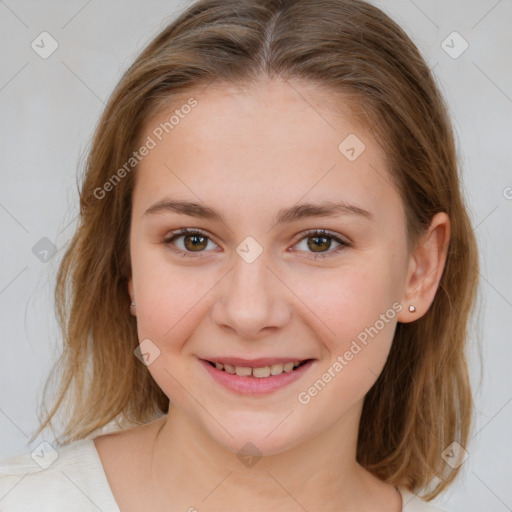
422	401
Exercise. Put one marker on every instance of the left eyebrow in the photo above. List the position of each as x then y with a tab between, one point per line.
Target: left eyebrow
323	209
286	215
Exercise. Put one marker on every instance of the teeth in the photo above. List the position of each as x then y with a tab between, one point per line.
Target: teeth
229	368
243	371
276	369
260	373
288	367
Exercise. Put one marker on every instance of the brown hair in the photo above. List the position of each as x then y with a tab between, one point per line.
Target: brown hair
422	400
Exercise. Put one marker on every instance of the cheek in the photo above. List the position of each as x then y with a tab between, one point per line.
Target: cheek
347	299
352	312
356	313
170	298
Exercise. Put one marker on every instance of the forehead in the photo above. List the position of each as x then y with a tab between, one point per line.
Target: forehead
269	104
275	139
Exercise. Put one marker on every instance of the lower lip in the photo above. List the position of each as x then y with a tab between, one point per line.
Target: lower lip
254	385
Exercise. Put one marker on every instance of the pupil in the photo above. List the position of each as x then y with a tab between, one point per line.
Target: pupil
195	243
315	246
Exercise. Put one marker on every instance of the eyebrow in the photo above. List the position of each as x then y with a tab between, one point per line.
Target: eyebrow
285	215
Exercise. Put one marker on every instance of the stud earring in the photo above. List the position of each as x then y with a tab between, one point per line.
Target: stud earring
132	304
412	309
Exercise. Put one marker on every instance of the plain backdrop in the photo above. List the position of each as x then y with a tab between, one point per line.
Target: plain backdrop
49	108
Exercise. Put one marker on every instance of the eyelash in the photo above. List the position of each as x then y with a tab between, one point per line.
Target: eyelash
168	241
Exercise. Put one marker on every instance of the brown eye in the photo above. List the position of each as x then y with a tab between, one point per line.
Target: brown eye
187	242
320	241
195	242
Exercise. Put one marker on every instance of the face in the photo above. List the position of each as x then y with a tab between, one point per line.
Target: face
260	276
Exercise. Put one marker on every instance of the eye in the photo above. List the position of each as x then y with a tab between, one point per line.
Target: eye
193	241
319	241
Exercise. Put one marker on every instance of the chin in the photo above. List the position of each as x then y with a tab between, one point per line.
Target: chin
263	440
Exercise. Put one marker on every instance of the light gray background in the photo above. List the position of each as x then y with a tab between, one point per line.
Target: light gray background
49	108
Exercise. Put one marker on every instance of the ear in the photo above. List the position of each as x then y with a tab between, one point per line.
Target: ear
130	293
426	268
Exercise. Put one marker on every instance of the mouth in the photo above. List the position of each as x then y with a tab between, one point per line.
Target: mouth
255	369
256	377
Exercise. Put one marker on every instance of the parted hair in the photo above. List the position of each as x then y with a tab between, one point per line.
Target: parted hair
422	401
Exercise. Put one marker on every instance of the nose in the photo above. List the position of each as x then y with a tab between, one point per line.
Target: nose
252	301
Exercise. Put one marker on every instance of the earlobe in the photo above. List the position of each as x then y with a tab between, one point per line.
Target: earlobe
131	294
426	268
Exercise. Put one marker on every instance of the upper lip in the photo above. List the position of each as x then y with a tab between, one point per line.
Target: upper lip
260	362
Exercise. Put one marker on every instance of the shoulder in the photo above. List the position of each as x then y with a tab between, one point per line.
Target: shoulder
68	479
413	503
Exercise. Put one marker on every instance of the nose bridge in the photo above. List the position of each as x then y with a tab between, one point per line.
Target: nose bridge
251	299
250	274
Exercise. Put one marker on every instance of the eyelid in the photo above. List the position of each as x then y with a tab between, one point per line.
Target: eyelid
343	244
169	239
325	232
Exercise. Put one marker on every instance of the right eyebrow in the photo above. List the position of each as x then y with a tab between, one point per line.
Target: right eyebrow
286	215
185	208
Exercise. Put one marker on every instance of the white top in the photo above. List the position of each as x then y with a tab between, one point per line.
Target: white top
73	479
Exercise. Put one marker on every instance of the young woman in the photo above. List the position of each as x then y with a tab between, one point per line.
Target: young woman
268	290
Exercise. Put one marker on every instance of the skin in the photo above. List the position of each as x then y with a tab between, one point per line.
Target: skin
247	153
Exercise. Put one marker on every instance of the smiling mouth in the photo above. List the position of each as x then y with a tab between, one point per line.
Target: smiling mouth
259	373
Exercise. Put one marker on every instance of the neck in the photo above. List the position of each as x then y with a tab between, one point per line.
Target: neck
190	469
